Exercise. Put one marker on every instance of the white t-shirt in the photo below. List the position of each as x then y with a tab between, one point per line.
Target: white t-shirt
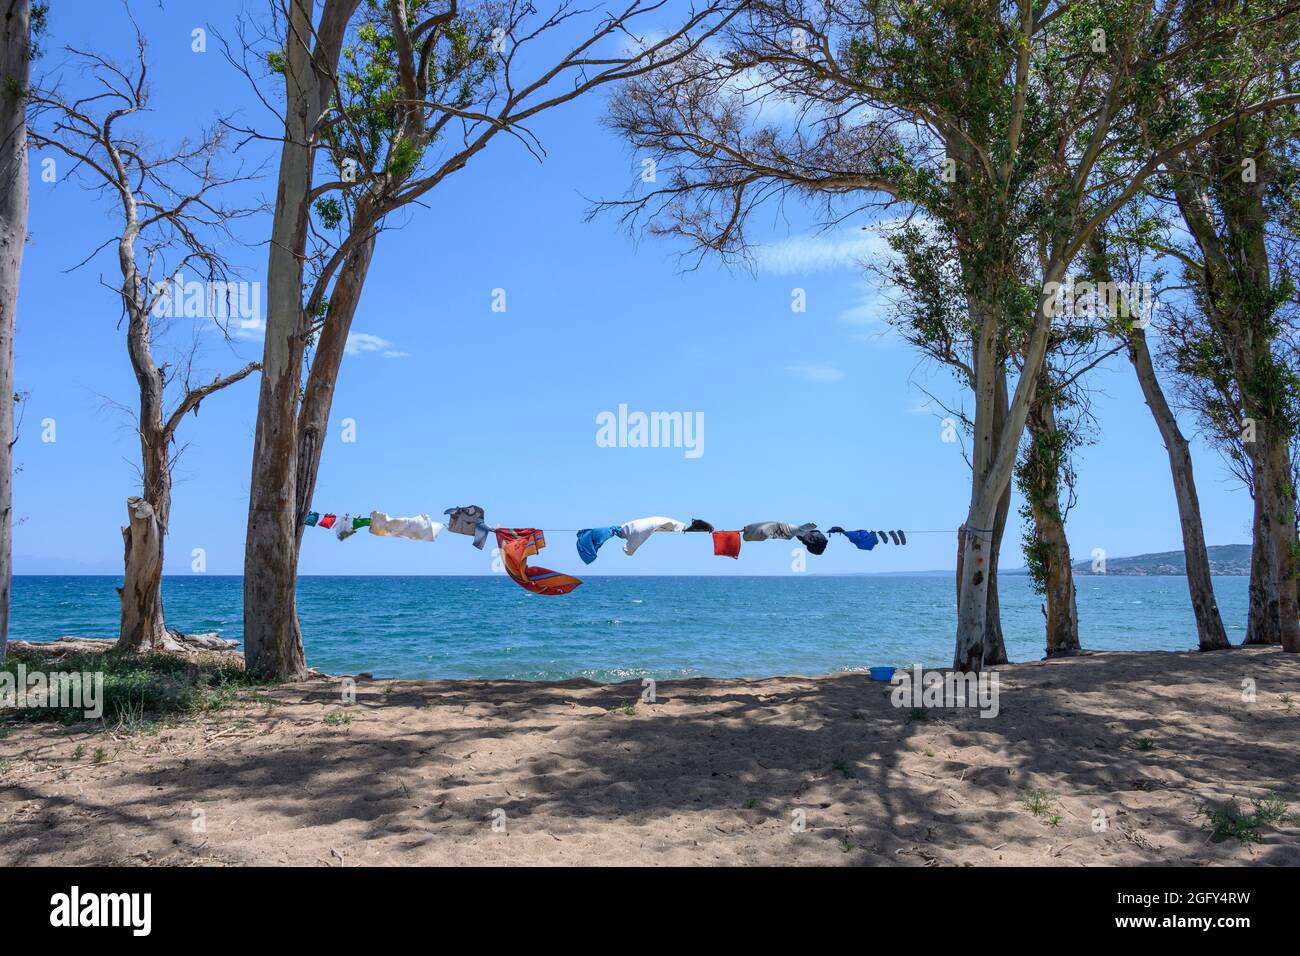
635	532
419	528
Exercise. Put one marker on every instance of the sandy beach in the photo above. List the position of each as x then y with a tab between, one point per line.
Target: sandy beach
787	770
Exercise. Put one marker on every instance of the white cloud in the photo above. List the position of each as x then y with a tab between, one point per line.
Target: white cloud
359	342
843	249
817	374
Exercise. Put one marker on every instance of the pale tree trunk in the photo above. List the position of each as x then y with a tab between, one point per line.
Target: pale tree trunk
272	637
143	627
15	73
1210	634
1263	623
1275	509
1049	533
995	648
993	458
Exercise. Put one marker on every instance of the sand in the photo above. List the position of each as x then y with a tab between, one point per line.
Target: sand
715	772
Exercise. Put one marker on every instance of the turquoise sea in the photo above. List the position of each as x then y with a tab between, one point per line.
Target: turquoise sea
617	628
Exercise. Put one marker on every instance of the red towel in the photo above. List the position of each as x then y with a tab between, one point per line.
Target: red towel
516	545
726	543
327	521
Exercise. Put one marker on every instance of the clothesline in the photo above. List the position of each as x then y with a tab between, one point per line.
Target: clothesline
516	545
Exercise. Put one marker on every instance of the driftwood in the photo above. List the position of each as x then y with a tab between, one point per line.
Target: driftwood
176	643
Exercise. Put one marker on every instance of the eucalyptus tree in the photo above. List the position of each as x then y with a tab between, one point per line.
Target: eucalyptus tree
171	214
1120	257
1236	195
15	74
999	120
382	102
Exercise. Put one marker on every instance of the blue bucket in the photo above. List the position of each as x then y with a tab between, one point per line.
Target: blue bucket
882	673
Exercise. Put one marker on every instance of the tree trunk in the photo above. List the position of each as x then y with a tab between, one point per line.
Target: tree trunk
318	397
995	648
1276	509
272	638
142	627
1210	634
15	72
993	457
1263	623
1053	549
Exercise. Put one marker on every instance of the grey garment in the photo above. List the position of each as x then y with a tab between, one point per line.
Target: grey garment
468	520
764	530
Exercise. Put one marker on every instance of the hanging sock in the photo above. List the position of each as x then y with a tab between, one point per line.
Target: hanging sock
517	545
327	521
902	538
882	537
468	520
311	519
590	540
894	535
637	531
726	544
699	525
419	528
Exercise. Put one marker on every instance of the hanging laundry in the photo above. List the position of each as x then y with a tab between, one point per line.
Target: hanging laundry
359	523
419	528
882	537
902	538
637	531
726	544
699	525
765	530
894	535
865	540
311	519
345	529
813	539
327	521
468	520
517	545
590	540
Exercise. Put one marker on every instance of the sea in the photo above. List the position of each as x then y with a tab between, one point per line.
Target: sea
617	628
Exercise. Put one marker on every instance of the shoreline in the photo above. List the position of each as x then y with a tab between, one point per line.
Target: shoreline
715	771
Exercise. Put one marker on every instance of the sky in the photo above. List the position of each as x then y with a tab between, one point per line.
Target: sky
819	415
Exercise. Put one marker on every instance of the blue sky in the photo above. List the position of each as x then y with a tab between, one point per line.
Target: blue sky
817	416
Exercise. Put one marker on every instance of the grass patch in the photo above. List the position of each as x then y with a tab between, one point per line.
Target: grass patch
1042	805
842	766
337	718
628	709
918	713
1144	744
1229	822
138	687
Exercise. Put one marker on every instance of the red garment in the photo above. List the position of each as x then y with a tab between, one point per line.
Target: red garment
327	521
726	543
517	545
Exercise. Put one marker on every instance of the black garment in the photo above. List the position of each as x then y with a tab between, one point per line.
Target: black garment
902	538
699	525
836	530
814	540
883	537
894	535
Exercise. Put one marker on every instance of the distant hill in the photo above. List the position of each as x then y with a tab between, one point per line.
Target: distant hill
1224	559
